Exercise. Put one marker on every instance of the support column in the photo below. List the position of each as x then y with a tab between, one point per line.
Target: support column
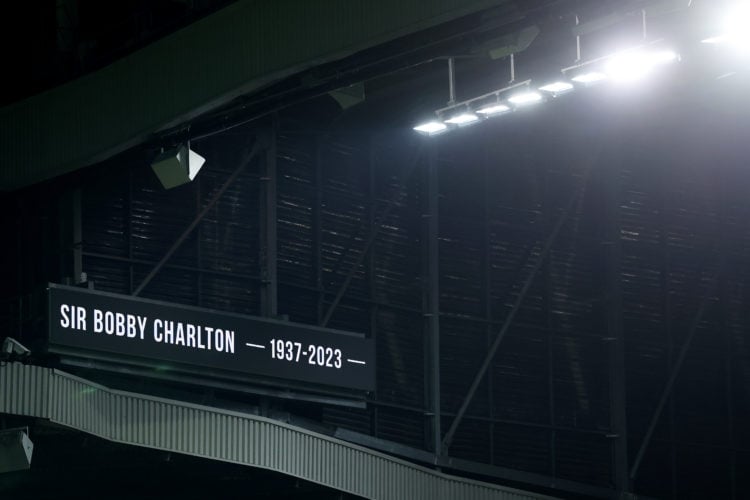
613	292
487	292
370	261
549	323
317	236
725	290
268	241
70	265
373	306
668	328
198	246
432	299
129	230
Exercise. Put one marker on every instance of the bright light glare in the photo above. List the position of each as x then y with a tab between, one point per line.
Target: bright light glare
493	109
433	127
587	78
735	30
462	119
557	87
740	41
735	33
717	39
664	57
634	66
525	98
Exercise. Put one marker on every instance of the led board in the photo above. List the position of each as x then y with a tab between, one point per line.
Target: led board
164	334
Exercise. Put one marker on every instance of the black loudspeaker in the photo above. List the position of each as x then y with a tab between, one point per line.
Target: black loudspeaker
177	166
15	450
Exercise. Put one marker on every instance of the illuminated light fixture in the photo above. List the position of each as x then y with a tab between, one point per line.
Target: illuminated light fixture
431	128
464	118
737	40
633	66
525	98
714	40
735	31
557	88
589	78
663	57
494	109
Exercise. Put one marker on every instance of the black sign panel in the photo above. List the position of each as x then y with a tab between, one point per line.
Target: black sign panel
163	333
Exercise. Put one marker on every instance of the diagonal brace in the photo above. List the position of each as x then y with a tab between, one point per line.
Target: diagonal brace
666	392
368	244
243	163
509	319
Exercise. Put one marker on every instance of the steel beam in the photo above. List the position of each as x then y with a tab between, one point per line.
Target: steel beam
373	307
371	273
616	348
317	232
432	296
549	324
77	237
181	239
268	227
710	291
666	269
129	231
371	239
487	287
725	304
509	319
69	239
198	246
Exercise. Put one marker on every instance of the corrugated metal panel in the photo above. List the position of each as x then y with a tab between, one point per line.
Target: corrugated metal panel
228	436
27	398
240	48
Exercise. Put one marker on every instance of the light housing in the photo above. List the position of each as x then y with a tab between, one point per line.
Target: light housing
589	78
716	40
734	31
494	109
739	41
463	118
557	88
431	128
525	98
635	65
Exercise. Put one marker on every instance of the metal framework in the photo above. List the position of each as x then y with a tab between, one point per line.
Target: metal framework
228	436
374	233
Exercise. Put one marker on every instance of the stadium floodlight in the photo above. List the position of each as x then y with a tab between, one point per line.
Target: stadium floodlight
463	118
524	98
737	40
663	57
715	40
633	66
589	78
557	88
734	31
494	109
431	127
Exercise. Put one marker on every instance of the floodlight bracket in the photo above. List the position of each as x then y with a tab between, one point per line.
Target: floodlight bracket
583	64
451	81
469	102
